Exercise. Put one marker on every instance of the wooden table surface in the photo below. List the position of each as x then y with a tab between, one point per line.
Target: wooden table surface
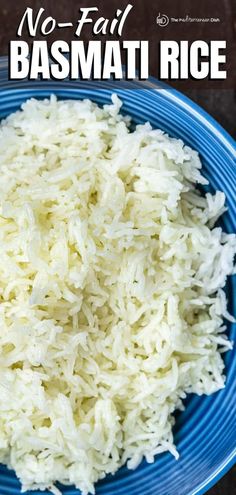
220	103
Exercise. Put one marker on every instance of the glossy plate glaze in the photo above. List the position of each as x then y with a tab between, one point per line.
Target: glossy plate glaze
205	432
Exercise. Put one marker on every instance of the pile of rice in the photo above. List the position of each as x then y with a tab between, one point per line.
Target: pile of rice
111	301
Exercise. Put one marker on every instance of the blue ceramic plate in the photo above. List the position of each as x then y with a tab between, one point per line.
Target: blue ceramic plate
205	432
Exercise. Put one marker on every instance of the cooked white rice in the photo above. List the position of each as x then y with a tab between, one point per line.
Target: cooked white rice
111	278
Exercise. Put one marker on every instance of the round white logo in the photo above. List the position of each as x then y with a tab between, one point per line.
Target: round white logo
162	20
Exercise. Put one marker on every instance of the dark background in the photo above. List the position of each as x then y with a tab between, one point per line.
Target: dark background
218	98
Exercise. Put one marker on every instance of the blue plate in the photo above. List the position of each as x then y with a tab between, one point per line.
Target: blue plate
205	432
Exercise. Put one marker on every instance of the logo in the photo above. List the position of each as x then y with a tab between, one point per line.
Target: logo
162	20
